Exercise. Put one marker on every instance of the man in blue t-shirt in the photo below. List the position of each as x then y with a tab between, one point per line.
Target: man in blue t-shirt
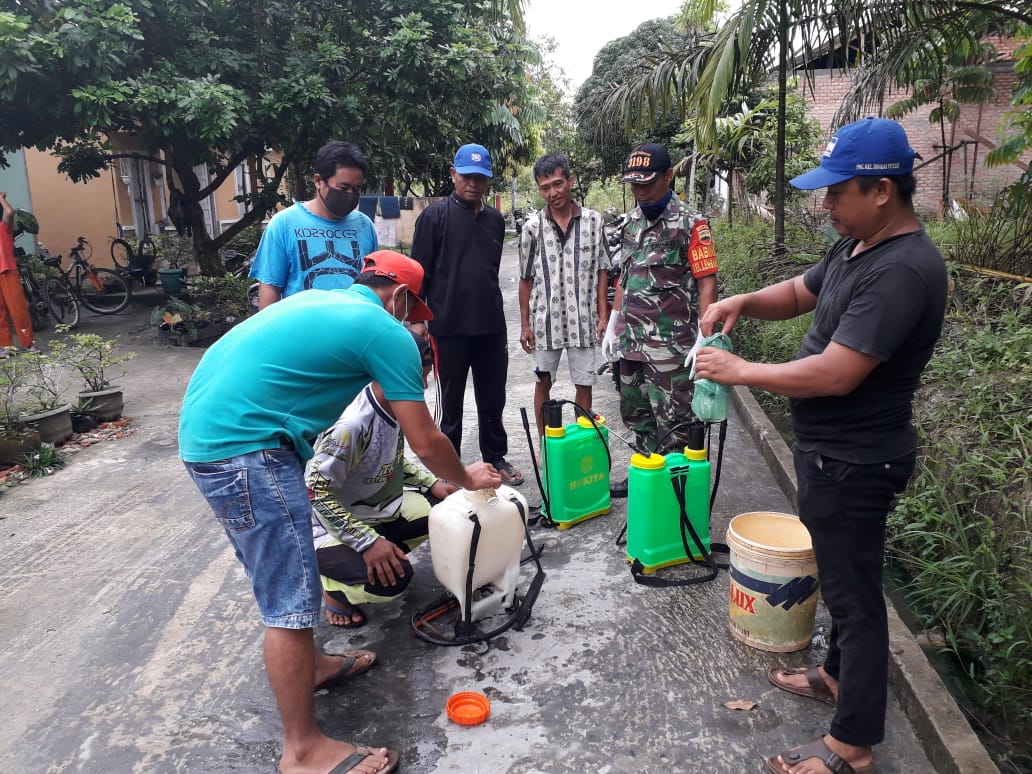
878	300
256	402
319	243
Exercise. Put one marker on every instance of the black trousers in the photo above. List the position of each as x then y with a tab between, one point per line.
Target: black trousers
346	565
488	358
844	506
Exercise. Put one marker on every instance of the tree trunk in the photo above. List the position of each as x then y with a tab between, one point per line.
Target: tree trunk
779	174
693	196
300	184
188	218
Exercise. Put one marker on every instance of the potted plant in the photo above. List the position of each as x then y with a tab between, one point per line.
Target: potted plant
175	253
99	365
215	305
16	437
83	418
176	322
49	412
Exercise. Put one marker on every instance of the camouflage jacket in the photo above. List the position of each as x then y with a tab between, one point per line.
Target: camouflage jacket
660	313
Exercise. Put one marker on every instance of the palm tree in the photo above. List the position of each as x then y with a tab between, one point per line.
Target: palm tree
766	35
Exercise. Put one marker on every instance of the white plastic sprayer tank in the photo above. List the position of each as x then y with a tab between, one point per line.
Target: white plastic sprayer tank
498	547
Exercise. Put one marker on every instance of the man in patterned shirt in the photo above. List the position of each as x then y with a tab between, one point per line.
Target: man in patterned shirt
667	280
562	294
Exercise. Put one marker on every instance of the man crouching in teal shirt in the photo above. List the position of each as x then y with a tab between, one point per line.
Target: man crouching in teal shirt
259	397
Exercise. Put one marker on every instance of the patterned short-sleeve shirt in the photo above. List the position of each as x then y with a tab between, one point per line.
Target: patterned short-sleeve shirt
564	298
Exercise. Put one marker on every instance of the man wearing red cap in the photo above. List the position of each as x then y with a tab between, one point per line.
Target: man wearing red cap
878	299
256	402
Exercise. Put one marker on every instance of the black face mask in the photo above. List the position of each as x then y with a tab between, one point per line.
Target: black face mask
653	211
340	203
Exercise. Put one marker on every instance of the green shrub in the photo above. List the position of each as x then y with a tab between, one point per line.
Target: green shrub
1000	240
963	528
744	255
174	251
43	461
246	241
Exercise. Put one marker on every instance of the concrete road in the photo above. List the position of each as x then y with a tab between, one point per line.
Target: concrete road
130	641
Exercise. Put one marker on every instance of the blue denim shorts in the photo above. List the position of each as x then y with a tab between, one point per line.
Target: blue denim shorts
261	501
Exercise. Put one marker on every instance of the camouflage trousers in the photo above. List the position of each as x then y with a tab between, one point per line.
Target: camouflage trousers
656	403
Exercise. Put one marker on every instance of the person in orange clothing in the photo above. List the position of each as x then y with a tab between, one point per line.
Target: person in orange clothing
14	308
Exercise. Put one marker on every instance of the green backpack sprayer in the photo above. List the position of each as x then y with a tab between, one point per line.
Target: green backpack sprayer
575	464
669	497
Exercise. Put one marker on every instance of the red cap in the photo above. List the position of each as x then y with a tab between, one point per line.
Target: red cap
404	271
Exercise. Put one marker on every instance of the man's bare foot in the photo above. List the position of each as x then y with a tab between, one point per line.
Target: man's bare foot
810	758
812	682
327	753
335	668
343	614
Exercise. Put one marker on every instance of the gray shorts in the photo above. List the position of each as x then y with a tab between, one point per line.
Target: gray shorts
583	362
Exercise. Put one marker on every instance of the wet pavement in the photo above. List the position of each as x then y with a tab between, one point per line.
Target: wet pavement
131	643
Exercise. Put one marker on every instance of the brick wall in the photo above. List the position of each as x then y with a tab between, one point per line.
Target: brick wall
969	177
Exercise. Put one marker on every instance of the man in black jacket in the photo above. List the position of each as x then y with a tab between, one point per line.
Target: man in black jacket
459	241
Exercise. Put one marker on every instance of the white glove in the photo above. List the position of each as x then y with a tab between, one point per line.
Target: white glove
689	359
609	341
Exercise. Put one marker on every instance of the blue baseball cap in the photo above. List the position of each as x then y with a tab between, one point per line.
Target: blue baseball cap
473	160
871	147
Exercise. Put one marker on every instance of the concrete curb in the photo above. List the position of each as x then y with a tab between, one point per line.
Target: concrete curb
948	741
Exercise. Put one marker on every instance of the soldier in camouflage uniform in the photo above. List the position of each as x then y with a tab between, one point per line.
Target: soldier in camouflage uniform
667	280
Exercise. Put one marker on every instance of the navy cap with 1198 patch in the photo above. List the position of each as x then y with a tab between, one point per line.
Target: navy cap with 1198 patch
645	162
870	147
473	160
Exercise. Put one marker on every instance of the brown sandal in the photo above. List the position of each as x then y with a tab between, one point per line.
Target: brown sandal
818	689
815	749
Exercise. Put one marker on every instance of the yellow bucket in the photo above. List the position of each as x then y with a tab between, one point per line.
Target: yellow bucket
773	597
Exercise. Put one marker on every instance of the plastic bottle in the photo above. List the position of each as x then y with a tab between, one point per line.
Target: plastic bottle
709	403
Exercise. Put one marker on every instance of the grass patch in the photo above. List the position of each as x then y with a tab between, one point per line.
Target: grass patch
963	528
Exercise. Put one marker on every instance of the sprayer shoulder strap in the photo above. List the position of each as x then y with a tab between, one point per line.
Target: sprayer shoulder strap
640	576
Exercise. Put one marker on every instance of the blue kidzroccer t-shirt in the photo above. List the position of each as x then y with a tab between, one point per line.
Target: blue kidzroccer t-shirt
300	251
289	372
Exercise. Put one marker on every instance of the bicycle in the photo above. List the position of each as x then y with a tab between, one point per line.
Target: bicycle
103	291
35	295
135	264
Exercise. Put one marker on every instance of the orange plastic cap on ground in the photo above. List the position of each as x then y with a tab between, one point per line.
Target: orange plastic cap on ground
468	708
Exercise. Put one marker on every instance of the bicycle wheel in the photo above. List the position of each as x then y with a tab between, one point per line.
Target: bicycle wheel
121	254
61	303
104	291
